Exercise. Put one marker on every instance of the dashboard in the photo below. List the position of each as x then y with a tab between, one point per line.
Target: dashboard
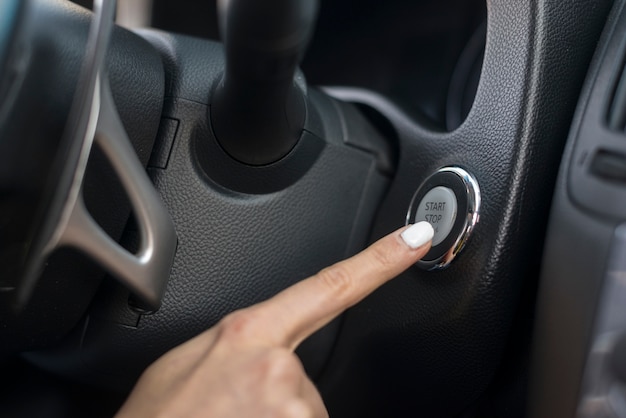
505	120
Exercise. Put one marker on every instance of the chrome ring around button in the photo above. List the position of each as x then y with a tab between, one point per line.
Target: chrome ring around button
467	192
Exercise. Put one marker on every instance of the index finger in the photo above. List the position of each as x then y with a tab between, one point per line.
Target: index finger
300	310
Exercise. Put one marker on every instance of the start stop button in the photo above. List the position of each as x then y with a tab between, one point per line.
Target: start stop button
450	201
438	207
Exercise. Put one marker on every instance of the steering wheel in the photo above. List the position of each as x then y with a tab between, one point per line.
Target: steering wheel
238	204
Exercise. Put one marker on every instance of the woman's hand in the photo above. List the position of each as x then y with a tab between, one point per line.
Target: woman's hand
245	366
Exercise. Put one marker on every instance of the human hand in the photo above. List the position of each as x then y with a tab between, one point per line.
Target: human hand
245	366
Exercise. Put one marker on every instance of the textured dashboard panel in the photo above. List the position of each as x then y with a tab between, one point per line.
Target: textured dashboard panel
430	343
234	248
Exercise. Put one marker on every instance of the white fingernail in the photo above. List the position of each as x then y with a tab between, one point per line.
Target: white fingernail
418	234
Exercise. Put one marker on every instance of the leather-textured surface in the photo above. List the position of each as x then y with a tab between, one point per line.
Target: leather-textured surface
234	249
183	77
429	343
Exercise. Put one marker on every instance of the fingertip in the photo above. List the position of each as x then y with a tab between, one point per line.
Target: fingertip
418	235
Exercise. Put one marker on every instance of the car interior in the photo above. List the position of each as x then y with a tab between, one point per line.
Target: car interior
163	164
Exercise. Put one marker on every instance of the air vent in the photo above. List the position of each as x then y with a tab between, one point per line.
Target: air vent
609	165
